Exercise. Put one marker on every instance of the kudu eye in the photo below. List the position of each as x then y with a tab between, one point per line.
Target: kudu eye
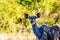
38	15
26	16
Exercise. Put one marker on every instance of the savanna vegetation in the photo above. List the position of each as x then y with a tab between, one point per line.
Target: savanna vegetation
12	13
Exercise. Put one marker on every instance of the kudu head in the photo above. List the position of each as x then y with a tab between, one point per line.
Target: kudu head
32	18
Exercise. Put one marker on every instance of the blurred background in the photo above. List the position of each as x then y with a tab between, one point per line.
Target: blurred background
13	25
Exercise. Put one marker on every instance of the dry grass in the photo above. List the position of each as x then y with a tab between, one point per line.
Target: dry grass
21	35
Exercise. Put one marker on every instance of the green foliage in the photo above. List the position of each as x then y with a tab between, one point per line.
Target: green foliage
12	10
29	4
47	6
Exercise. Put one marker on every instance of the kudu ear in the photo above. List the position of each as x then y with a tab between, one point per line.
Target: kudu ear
38	15
26	16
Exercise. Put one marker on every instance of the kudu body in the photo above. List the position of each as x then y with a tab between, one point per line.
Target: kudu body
43	32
